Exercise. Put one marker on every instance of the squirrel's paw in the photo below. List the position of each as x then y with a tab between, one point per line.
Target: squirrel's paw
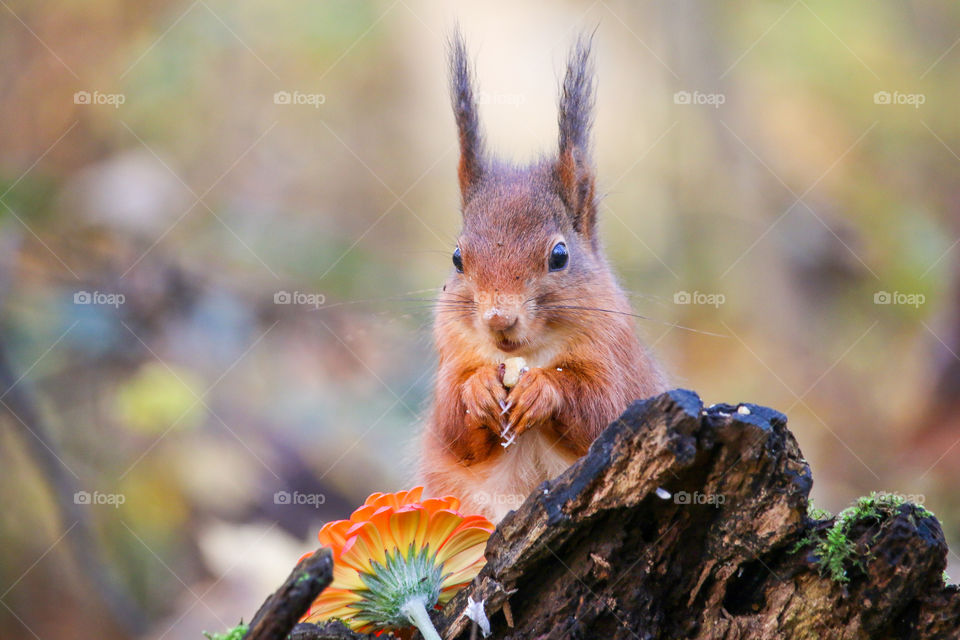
535	400
484	398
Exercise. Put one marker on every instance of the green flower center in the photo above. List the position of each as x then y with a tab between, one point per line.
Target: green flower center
395	583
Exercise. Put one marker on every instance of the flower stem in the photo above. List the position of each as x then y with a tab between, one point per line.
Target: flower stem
416	611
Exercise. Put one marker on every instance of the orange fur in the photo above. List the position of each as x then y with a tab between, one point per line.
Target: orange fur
573	325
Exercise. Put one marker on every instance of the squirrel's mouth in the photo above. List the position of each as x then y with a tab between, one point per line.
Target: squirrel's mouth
507	345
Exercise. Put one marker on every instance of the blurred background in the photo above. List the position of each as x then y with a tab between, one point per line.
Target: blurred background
221	223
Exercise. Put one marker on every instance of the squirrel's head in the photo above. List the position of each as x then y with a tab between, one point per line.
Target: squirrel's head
528	255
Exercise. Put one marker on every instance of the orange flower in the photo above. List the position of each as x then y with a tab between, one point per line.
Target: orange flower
397	556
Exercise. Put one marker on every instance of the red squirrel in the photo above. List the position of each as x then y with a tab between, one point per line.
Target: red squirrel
529	280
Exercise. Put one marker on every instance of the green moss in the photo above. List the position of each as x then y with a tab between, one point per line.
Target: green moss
814	514
835	552
236	633
817	514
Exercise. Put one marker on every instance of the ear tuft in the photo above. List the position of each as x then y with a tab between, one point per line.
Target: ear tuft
576	98
470	169
574	170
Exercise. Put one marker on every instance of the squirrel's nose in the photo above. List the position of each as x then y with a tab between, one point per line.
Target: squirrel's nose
499	320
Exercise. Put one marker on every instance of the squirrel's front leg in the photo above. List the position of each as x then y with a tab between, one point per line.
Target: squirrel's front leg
466	420
467	416
569	402
536	399
484	398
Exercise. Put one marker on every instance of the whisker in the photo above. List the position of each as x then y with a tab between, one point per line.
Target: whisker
599	309
458	295
633	315
546	300
397	298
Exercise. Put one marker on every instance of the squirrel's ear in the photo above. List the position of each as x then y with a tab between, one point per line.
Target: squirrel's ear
471	164
574	170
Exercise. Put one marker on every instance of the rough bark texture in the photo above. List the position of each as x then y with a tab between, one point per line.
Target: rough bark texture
288	603
600	553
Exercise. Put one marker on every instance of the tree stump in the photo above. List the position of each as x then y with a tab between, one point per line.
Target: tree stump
685	522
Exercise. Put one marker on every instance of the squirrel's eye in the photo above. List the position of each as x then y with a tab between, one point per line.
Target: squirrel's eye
558	257
458	260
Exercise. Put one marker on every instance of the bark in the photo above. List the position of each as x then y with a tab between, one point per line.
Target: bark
599	552
286	606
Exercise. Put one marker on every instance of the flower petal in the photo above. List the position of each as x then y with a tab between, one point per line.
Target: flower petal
345	577
432	505
332	603
462	568
334	534
387	523
407	527
363	513
364	547
381	523
463	539
442	524
414	495
332	597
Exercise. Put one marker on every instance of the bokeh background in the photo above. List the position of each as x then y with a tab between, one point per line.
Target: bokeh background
791	166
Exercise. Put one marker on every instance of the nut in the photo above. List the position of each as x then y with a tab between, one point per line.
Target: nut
512	370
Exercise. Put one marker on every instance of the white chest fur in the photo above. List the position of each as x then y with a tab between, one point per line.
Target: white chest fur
525	464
